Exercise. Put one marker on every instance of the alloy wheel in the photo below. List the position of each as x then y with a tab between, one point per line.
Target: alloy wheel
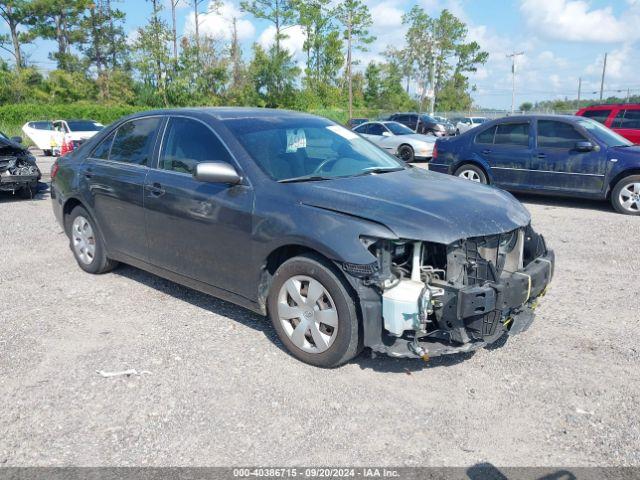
629	197
307	314
84	241
470	175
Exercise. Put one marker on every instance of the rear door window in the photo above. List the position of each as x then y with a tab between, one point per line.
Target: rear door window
516	134
555	134
627	119
486	137
597	115
188	142
375	129
134	141
361	129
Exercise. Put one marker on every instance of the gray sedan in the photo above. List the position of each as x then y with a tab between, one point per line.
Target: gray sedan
398	140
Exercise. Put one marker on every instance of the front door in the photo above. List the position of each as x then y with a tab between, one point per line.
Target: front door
557	165
115	173
196	229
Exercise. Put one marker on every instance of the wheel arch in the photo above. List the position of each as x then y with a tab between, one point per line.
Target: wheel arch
625	173
485	168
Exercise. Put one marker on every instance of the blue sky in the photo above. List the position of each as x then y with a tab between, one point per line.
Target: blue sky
562	40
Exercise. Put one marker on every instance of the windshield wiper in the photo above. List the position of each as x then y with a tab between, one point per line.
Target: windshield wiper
304	178
376	170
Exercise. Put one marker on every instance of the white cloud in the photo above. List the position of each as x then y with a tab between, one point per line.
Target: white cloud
576	21
385	15
219	23
293	42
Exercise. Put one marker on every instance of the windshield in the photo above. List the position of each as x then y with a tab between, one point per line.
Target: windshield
84	126
604	134
398	129
427	119
287	148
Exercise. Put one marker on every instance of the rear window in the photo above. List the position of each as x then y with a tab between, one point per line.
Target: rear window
486	136
627	119
41	125
84	126
597	115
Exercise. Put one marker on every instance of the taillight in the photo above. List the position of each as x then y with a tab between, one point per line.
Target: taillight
54	169
434	155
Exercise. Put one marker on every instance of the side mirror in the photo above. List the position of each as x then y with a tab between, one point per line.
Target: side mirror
16	139
216	172
584	146
386	134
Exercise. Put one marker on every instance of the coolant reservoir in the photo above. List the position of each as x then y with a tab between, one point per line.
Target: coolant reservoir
400	307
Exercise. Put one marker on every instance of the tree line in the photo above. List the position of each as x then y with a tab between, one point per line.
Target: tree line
96	61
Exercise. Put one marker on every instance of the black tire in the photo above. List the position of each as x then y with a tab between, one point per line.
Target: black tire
457	131
406	153
616	200
472	168
47	153
100	263
346	344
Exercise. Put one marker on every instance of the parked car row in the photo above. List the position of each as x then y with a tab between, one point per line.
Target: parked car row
398	139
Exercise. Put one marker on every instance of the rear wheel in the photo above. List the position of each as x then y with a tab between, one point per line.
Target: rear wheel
406	153
457	131
86	244
625	196
471	172
313	312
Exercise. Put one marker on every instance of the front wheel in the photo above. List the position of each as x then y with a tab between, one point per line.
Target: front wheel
406	153
471	172
313	313
86	244
625	196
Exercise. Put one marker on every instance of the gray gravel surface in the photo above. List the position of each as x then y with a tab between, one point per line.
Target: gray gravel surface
221	390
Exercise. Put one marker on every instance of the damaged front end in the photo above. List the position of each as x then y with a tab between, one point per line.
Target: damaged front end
422	299
19	174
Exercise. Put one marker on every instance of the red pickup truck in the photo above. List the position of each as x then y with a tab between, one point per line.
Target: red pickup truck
623	118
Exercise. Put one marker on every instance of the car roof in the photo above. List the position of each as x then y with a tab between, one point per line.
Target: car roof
611	105
535	117
227	113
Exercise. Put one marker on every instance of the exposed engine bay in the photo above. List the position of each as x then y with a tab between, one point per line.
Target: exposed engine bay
19	174
441	299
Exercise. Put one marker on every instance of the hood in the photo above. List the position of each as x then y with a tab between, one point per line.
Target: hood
419	205
633	150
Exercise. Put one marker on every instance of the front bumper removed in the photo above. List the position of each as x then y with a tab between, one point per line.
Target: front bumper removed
477	316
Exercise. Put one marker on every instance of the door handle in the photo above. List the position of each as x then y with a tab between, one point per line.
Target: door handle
155	189
542	155
486	152
88	173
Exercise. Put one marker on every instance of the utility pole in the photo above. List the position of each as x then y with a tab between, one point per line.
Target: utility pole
604	69
513	78
628	95
579	90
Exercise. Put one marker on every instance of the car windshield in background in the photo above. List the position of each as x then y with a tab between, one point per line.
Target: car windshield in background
290	149
478	120
427	119
398	129
84	126
604	134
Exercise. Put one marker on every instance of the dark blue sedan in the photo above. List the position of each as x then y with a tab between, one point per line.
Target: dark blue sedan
550	154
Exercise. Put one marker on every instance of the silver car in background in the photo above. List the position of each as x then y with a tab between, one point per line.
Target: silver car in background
398	139
467	123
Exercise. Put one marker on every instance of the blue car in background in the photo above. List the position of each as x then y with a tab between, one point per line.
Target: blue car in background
551	154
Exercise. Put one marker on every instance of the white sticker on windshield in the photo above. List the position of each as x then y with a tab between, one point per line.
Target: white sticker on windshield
343	132
296	139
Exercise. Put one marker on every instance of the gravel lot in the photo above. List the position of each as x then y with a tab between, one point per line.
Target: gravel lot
222	391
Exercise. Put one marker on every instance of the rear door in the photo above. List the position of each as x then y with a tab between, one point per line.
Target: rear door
115	174
510	153
558	166
196	229
627	123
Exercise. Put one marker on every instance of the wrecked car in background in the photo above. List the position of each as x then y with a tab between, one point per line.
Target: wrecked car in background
342	245
18	170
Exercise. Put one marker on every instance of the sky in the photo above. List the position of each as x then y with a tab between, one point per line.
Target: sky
562	41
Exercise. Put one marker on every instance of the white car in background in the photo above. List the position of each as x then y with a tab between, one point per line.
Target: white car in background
49	136
467	123
398	139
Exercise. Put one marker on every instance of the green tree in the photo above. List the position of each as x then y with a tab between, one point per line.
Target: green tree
356	19
526	106
61	21
373	85
273	76
16	13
